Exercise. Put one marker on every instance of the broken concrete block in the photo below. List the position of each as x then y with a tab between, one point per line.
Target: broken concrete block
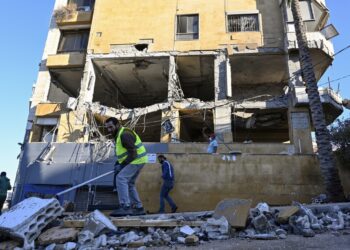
70	246
187	230
85	237
271	236
128	237
101	240
97	223
51	247
261	224
136	244
181	240
235	211
191	240
11	244
220	225
25	220
263	207
58	235
284	214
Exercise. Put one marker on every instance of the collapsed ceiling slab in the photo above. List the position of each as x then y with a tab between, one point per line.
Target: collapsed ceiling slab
131	82
68	80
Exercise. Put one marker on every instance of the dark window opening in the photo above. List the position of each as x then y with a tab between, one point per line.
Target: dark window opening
73	41
192	123
187	27
243	23
83	5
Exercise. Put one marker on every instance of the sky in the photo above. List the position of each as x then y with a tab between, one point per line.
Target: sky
23	35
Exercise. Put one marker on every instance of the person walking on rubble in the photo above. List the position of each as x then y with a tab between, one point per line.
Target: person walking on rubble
168	184
131	157
4	187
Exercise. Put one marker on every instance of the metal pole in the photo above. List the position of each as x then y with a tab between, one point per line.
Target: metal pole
84	183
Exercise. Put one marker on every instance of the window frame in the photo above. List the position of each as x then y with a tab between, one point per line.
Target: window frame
64	32
244	13
290	16
177	35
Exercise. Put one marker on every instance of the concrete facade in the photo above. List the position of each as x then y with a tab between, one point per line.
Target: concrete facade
170	68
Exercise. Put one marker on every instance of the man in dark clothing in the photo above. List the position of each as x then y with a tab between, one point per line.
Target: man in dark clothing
168	184
132	156
4	186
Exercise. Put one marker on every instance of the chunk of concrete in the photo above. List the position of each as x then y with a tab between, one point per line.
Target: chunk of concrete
51	247
85	237
98	223
236	211
181	240
27	219
129	237
263	207
58	235
187	230
285	213
11	244
261	224
191	240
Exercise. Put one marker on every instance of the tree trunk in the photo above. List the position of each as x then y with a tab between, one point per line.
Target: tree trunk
328	167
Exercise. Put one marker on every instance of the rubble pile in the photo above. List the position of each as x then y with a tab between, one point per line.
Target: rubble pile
95	230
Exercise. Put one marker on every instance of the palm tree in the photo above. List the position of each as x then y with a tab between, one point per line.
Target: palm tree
328	167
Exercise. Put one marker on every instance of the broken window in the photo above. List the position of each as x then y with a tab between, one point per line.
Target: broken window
44	130
307	13
83	5
187	27
243	23
73	41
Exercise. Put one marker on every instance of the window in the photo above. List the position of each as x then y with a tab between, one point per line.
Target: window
187	27
73	41
307	13
83	5
243	23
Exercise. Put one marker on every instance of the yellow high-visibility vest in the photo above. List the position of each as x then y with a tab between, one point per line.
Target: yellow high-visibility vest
122	153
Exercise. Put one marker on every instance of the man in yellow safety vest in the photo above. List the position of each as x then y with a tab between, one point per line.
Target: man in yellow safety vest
131	157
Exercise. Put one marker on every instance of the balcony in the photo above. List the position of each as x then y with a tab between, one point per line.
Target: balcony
74	15
331	102
66	60
316	40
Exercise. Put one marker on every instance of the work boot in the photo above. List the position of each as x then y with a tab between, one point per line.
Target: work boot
138	211
173	209
122	211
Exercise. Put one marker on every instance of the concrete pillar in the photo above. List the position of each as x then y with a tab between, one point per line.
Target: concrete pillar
223	124
298	117
174	90
222	82
86	91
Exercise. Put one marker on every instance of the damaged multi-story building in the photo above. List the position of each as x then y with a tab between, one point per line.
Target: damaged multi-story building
168	69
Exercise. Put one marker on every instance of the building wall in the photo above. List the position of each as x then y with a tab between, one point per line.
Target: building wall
126	22
203	180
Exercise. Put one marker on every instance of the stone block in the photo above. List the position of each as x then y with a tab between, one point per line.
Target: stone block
58	235
284	214
187	230
261	224
25	220
191	240
97	222
234	210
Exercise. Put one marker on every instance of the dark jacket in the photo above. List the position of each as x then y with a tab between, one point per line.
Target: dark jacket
167	171
4	186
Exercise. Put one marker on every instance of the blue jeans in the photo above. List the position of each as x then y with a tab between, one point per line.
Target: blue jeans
164	194
125	182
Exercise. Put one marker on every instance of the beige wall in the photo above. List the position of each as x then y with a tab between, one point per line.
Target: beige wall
203	180
126	22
